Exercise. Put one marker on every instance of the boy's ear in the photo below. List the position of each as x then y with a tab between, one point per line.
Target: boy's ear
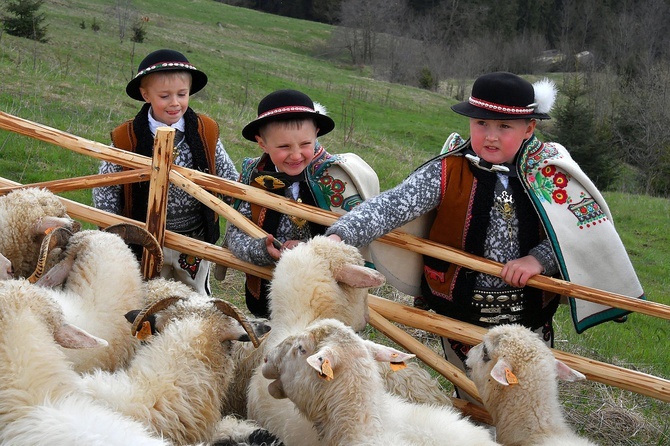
144	93
260	141
531	128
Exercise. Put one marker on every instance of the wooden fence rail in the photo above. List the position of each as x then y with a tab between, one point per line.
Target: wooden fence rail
193	182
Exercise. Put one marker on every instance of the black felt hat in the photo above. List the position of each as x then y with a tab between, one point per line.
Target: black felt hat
165	60
503	95
284	105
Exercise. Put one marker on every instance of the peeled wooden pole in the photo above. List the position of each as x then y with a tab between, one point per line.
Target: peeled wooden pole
428	356
642	383
283	205
158	192
602	372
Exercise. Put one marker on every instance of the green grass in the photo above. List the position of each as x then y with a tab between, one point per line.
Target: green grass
76	83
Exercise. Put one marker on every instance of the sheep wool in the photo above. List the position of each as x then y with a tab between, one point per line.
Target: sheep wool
315	280
41	401
329	373
515	371
25	215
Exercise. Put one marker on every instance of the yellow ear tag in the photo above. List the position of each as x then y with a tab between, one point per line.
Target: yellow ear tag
395	366
511	377
145	331
48	230
326	371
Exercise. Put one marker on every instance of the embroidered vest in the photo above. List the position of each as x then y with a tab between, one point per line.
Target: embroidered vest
461	221
135	195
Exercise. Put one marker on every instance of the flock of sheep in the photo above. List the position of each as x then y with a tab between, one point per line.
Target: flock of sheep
93	354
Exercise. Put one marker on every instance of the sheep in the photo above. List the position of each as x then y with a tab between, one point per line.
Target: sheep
315	280
99	281
25	216
329	373
516	375
177	382
41	400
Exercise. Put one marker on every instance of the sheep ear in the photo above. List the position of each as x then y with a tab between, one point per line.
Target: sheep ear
49	222
69	336
383	353
359	276
502	372
323	362
565	373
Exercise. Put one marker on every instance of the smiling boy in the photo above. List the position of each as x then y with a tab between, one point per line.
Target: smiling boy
296	166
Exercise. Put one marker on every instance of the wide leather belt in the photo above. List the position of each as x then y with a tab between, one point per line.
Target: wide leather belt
498	306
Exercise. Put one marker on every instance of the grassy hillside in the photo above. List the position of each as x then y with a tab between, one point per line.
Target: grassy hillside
76	83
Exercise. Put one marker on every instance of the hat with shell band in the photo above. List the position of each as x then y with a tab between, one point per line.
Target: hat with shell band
165	60
283	105
503	95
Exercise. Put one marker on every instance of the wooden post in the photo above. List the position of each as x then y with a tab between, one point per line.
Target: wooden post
158	191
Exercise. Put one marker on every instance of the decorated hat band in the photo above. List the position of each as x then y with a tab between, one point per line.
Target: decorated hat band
166	65
289	109
502	108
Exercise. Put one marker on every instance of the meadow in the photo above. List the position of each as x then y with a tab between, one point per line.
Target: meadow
76	83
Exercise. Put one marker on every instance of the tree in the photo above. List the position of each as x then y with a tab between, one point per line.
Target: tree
24	20
588	143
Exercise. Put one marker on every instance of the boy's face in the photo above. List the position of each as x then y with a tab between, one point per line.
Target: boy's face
168	95
290	145
498	141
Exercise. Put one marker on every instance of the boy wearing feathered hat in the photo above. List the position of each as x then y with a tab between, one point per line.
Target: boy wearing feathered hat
504	195
165	80
296	166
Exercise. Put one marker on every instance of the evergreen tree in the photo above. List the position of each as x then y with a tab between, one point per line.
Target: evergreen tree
590	146
24	20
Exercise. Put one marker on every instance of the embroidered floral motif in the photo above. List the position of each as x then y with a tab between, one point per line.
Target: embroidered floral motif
333	189
190	263
550	184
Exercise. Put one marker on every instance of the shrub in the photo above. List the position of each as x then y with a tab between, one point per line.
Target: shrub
24	20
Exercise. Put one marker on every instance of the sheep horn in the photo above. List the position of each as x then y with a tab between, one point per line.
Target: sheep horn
55	237
232	311
151	309
133	234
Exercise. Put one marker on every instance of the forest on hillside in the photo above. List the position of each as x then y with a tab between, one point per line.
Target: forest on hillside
611	59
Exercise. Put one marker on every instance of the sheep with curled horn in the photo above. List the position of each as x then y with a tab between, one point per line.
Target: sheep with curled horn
177	382
26	215
99	280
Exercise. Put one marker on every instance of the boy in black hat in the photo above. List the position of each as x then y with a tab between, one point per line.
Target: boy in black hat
296	166
165	81
504	195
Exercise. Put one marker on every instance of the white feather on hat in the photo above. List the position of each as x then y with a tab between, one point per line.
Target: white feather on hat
319	108
545	95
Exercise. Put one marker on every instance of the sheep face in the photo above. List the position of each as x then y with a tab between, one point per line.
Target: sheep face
514	355
324	351
322	279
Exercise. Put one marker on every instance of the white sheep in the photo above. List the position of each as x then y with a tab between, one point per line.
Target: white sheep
25	216
315	280
41	401
516	375
177	381
330	373
99	280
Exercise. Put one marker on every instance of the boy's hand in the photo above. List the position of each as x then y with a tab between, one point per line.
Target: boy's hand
517	272
271	245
